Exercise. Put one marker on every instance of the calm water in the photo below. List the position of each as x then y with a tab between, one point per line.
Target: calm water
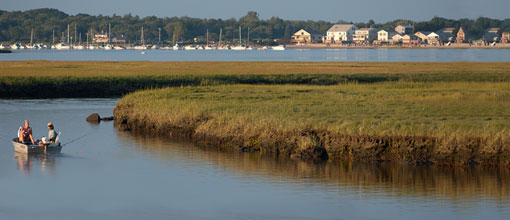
316	55
117	175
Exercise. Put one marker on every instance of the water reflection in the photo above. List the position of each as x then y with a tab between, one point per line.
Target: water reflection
26	162
460	185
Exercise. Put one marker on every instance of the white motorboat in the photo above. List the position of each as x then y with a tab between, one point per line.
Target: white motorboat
62	46
177	47
79	47
279	47
108	47
238	47
141	47
15	46
119	48
190	47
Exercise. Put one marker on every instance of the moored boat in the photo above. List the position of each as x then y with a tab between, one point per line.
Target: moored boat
34	148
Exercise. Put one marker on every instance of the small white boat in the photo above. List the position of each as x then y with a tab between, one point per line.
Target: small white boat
91	47
279	47
79	47
119	48
4	46
155	47
177	47
262	48
209	47
15	46
62	46
108	47
224	47
141	47
238	47
34	148
190	47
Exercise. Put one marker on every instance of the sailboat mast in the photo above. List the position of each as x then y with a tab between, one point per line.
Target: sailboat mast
53	36
240	39
248	41
80	39
75	33
207	37
87	40
31	36
219	42
109	31
68	33
143	42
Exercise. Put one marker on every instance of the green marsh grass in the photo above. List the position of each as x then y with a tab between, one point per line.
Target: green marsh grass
42	79
447	113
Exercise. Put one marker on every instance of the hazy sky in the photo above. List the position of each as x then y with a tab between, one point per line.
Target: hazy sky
328	10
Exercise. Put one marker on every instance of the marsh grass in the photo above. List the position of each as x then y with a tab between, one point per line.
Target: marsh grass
448	115
98	79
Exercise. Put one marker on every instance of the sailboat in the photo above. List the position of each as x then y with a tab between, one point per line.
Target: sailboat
240	46
80	47
141	47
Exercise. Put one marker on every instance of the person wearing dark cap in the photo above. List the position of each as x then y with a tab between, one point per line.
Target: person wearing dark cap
52	134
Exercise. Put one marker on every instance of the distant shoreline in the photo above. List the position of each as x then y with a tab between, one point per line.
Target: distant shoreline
341	46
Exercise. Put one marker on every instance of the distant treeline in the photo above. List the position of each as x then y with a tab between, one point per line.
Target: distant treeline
16	26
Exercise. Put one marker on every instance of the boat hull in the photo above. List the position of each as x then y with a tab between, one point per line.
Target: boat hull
36	149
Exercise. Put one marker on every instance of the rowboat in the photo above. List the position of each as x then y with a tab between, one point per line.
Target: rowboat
34	148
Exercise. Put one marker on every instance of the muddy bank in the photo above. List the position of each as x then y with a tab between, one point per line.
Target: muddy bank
323	145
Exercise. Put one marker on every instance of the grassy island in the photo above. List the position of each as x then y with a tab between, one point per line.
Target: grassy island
450	123
48	79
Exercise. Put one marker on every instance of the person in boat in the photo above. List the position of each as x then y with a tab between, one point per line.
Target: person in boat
25	133
52	134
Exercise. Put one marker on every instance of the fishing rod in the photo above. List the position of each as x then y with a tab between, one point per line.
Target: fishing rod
73	140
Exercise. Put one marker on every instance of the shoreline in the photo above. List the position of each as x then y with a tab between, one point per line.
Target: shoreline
341	46
248	124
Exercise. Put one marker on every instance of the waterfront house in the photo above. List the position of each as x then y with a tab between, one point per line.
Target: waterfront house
446	34
447	30
505	37
404	29
491	35
340	33
423	36
365	35
410	39
385	36
304	36
461	36
100	37
397	38
433	38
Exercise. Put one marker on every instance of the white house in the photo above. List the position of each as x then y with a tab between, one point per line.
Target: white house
304	36
365	35
385	35
339	33
397	38
433	38
404	29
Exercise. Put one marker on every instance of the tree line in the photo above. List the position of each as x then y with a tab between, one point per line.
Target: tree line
50	24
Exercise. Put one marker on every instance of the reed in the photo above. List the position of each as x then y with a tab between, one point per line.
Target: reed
450	123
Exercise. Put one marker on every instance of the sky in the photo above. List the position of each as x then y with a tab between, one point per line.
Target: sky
327	10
